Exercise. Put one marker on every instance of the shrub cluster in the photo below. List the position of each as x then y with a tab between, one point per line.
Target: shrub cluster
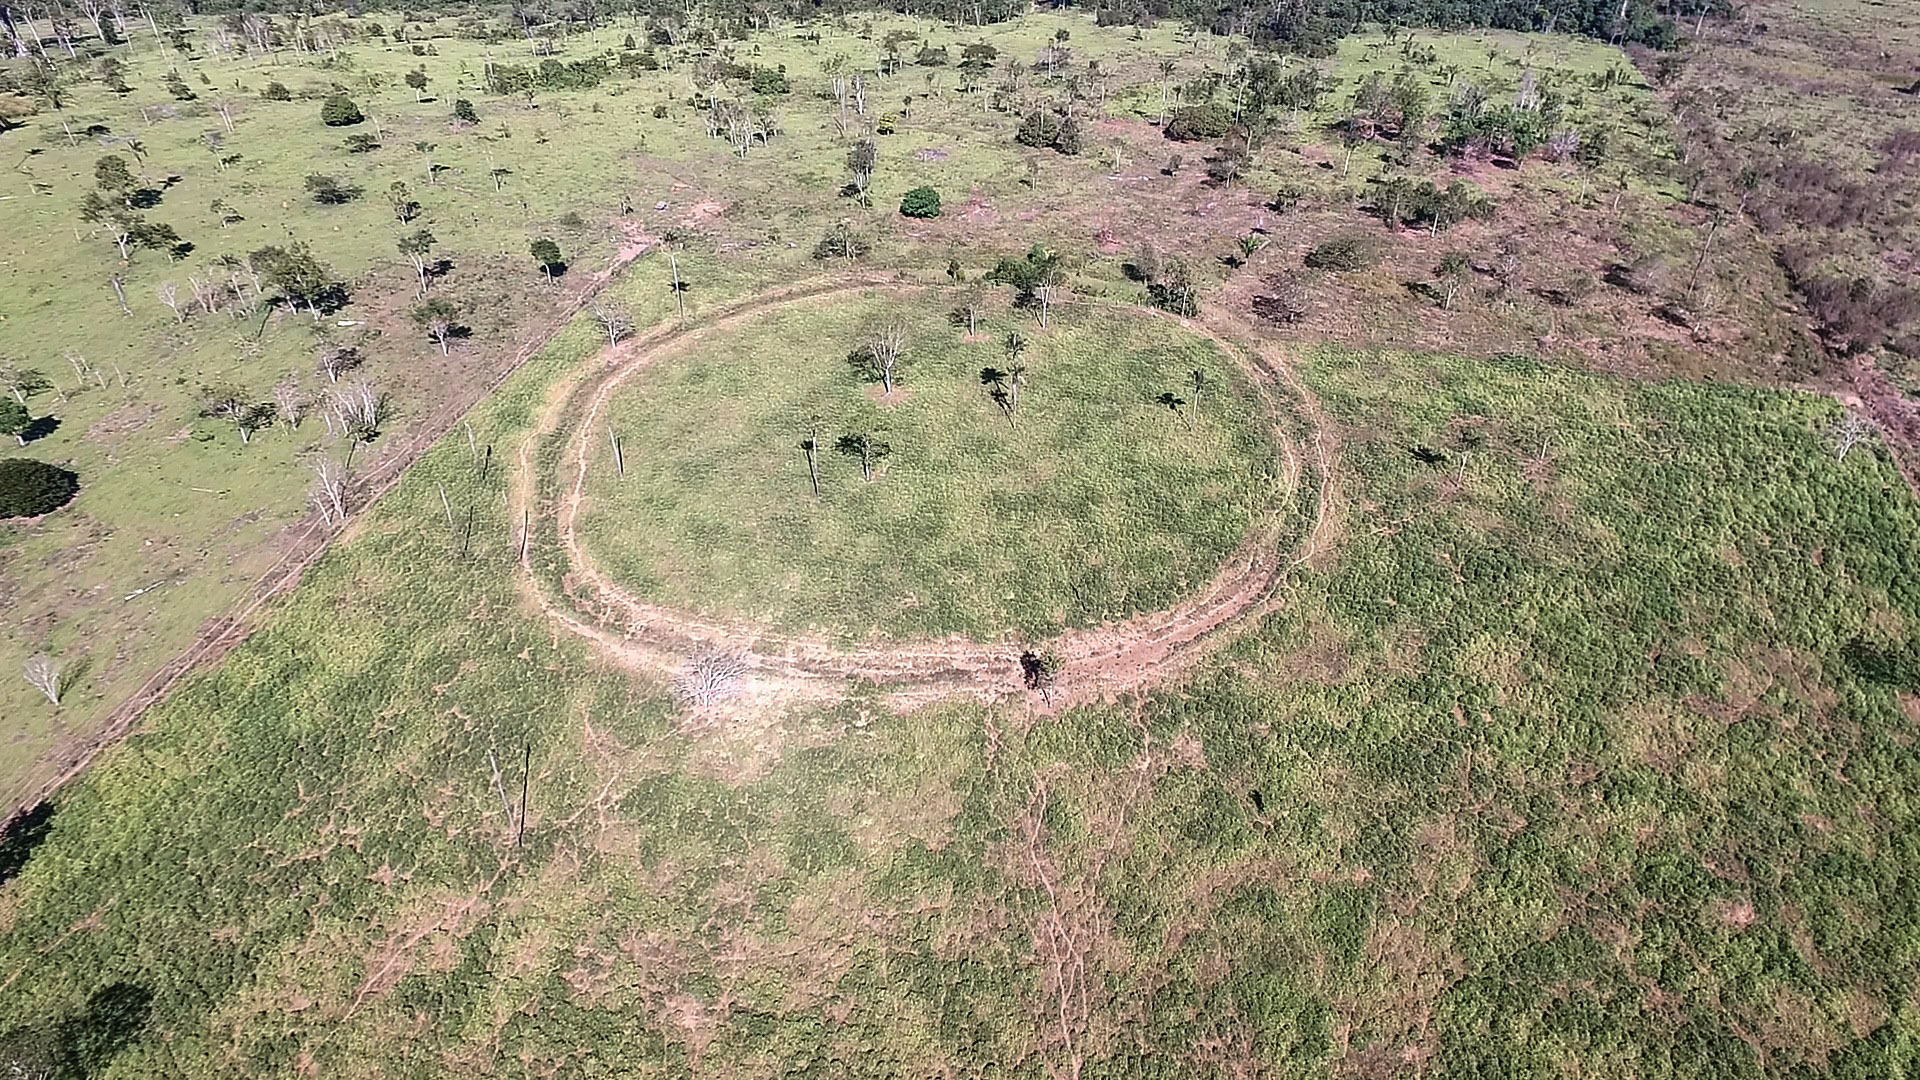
29	488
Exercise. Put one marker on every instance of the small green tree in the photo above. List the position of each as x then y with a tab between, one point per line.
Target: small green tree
14	420
401	200
860	163
921	202
296	275
464	112
23	383
416	246
329	191
439	318
340	111
841	242
546	254
276	91
112	175
1452	274
867	447
417	78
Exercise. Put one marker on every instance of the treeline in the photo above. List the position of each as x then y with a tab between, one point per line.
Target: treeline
1311	27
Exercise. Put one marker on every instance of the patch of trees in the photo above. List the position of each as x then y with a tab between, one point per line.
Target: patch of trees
1311	27
550	74
1284	299
329	191
1035	279
741	123
1401	201
1855	313
1168	278
299	279
1044	129
29	488
1196	123
843	243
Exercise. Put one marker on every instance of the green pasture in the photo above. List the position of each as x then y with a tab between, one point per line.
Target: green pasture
1089	501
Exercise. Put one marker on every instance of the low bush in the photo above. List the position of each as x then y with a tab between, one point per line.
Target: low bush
921	202
29	488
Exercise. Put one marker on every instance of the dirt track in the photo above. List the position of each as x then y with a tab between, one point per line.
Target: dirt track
1098	662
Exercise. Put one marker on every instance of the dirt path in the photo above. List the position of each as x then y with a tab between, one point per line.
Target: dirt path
1098	662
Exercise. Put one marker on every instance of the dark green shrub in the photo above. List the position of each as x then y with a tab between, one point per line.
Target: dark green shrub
360	143
1038	130
340	111
276	91
769	81
921	202
29	488
464	112
1345	252
1046	131
1199	122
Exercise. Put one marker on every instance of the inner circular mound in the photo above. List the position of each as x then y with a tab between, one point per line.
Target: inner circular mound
1113	476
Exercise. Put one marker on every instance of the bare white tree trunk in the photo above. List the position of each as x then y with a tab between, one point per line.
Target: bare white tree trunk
43	674
330	490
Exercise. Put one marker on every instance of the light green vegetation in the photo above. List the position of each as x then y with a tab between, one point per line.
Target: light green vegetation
1093	500
170	498
1585	752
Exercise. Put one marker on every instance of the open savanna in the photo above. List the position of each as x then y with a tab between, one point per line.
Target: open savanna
1085	499
1583	753
177	518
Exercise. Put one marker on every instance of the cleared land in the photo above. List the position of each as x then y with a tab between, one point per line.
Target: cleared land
1088	500
1446	804
1573	738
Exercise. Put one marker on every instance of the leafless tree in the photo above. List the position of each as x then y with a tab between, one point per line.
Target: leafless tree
615	321
1849	431
360	409
290	401
205	293
439	324
885	345
43	674
709	677
329	492
356	412
170	296
335	360
1046	286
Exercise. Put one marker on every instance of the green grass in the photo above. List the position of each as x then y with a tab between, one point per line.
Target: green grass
1096	502
1592	765
172	498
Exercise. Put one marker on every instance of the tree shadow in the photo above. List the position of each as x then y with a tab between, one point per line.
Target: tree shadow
1427	455
40	427
21	836
144	198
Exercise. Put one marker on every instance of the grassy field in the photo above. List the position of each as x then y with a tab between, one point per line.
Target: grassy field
1584	756
1583	750
176	517
1096	501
